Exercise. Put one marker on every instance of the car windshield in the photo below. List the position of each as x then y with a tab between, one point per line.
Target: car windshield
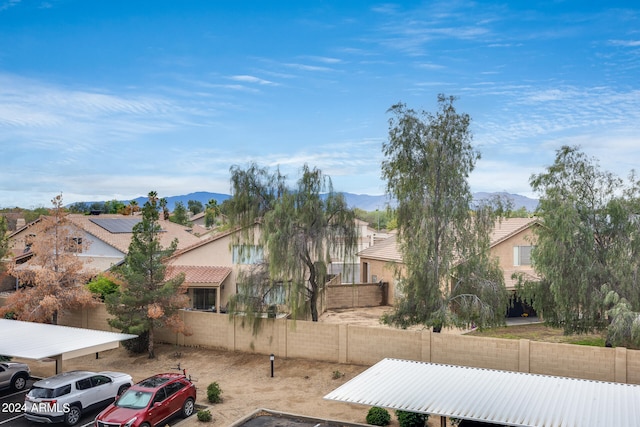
41	393
134	399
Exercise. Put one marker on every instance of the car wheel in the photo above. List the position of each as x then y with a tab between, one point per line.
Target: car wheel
19	382
72	417
187	408
145	425
122	389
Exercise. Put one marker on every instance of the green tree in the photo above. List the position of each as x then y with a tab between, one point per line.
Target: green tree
522	212
53	279
4	241
179	214
450	277
211	212
32	215
114	207
165	210
103	285
589	238
79	207
301	229
195	206
147	299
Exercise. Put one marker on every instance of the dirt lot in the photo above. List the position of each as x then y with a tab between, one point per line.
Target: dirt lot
298	385
245	379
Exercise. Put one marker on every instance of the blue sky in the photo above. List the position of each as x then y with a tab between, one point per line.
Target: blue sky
109	99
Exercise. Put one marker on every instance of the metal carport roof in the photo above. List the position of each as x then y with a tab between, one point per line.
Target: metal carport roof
500	397
39	340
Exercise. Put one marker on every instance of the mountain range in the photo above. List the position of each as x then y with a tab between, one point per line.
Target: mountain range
365	202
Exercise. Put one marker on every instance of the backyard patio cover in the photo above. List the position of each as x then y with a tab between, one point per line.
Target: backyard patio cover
39	341
500	397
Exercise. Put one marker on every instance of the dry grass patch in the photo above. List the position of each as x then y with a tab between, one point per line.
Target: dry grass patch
541	332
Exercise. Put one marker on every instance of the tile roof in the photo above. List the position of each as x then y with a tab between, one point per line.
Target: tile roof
388	250
121	241
385	250
201	242
509	227
199	274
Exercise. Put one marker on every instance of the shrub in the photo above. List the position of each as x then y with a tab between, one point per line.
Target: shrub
103	285
337	375
213	393
411	419
378	416
204	415
137	345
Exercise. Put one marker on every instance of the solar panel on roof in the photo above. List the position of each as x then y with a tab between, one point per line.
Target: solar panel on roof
116	225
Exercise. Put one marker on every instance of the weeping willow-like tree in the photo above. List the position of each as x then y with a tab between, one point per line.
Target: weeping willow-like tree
588	248
450	278
297	231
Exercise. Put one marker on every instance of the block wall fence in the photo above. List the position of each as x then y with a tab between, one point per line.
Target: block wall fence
361	345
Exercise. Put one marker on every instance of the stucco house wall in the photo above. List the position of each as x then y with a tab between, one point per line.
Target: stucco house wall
378	262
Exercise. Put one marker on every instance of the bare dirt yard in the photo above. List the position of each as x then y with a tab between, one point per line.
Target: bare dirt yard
298	385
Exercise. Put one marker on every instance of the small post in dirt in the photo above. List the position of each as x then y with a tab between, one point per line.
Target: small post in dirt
272	358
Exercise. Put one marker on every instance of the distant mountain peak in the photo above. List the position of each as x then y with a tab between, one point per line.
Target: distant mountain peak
365	202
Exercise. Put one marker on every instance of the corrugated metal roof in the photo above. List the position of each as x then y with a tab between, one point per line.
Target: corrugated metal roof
39	340
501	397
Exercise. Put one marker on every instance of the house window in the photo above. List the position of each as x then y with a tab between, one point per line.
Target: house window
247	254
277	294
73	245
522	255
204	299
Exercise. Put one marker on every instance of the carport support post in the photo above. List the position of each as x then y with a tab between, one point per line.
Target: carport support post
58	360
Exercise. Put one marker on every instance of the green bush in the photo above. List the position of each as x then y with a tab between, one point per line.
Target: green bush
137	345
103	286
378	416
213	393
204	415
411	419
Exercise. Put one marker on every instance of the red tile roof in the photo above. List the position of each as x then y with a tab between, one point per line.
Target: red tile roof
199	274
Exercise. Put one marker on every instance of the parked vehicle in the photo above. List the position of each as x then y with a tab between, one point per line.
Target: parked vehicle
64	397
14	375
151	402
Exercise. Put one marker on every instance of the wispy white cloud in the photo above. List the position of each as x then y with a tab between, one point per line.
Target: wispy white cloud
253	79
325	59
625	43
305	67
8	4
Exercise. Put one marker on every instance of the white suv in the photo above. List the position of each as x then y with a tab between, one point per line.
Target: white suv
63	397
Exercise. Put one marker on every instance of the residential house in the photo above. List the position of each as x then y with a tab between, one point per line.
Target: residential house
349	267
211	268
102	241
511	242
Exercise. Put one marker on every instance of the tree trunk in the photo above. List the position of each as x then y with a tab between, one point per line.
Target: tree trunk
314	305
152	354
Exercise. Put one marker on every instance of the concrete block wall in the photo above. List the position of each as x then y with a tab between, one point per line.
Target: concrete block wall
350	296
632	366
367	345
576	361
312	340
480	352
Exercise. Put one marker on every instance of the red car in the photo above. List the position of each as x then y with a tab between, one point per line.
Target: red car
150	402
